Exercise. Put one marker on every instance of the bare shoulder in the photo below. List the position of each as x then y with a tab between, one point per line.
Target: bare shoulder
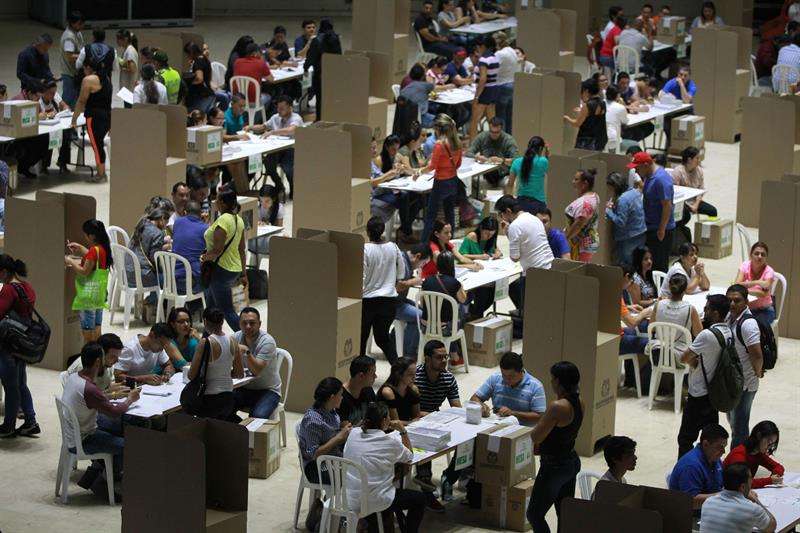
387	393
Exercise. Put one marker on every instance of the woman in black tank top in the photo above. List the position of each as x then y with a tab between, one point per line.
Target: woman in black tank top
591	119
94	101
556	433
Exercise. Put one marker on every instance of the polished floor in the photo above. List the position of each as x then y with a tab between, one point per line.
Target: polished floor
27	503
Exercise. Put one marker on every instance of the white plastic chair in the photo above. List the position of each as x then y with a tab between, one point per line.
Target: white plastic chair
396	90
304	482
755	88
663	335
71	438
62	377
745	242
243	85
165	270
422	56
399	328
336	503
782	77
633	358
780	279
120	255
528	67
658	279
592	54
218	71
626	59
435	328
116	235
280	411
586	482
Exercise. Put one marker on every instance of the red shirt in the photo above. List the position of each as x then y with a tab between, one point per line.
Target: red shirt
430	267
740	455
252	67
445	162
9	299
98	255
609	43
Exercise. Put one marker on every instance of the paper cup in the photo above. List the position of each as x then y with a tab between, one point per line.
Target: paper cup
185	371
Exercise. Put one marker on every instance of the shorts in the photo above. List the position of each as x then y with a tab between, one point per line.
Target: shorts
91	319
489	95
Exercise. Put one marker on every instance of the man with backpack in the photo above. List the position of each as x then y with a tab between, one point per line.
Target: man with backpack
710	357
747	339
103	54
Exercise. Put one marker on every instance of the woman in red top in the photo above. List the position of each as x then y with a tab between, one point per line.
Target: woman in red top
13	373
756	451
444	163
606	57
440	242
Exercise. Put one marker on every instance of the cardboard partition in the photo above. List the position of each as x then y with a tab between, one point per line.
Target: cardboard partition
736	12
674	507
172	43
402	16
374	24
569	20
587	516
504	455
671	30
19	118
539	102
539	34
42	227
208	477
345	82
505	507
400	56
763	157
795	99
380	73
590	17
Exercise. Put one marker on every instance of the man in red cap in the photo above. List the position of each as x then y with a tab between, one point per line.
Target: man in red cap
658	195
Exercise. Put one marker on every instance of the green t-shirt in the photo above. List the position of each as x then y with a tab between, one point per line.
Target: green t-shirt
230	260
535	186
470	247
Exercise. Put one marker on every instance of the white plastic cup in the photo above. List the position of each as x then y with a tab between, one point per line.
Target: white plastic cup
185	371
473	413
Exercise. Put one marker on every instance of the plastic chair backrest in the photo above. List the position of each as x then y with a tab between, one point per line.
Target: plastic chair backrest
165	268
285	357
626	59
528	67
418	36
246	82
658	279
585	486
62	377
433	302
336	492
782	77
667	333
70	430
118	235
745	242
218	71
299	453
396	90
780	279
121	254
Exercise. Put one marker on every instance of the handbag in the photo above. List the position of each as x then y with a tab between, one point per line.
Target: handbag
24	338
207	268
91	290
193	394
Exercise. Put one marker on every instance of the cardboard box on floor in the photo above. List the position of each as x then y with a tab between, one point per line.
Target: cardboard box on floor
346	92
764	157
264	446
43	225
687	130
579	324
487	340
671	30
505	507
19	118
590	17
317	276
714	238
201	489
545	33
148	158
333	172
504	455
172	43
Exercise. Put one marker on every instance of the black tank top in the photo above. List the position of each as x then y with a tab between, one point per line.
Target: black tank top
594	126
99	103
561	440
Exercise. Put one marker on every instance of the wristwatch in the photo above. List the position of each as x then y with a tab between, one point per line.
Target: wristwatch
403	433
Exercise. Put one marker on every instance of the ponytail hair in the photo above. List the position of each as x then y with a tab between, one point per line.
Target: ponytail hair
97	230
325	389
130	37
150	87
373	417
568	376
14	266
535	148
445	128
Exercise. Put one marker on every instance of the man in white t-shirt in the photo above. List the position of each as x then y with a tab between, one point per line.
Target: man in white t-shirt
142	355
747	340
736	509
283	123
702	356
527	243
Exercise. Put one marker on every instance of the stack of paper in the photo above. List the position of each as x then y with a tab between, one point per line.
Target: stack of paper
428	438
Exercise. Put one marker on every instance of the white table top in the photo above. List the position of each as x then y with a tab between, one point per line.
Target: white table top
493	271
681	193
469	169
265	230
490	26
783	502
237	150
658	45
459	95
148	406
655	112
283	74
64	123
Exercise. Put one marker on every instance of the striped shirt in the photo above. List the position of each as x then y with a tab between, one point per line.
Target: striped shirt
316	428
492	65
527	396
731	512
431	395
790	55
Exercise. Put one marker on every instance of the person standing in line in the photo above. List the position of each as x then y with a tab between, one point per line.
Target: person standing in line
71	45
591	118
527	174
326	42
658	217
94	101
487	89
33	62
626	212
583	217
129	62
407	311
444	163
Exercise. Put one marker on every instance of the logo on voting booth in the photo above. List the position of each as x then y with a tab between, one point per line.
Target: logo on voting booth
605	388
491	458
348	346
360	219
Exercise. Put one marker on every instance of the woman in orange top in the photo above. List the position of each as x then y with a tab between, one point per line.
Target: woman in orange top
444	163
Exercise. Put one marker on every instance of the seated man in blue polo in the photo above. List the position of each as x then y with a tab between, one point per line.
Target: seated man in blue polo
682	87
513	392
699	471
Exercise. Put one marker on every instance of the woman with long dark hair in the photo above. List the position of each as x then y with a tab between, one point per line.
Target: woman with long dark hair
91	265
643	290
440	241
756	451
527	174
400	393
239	51
481	244
200	96
591	119
150	90
186	337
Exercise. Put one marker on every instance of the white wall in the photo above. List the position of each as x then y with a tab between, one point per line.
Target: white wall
270	7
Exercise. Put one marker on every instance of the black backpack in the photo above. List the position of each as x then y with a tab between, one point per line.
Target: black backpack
24	338
769	346
726	387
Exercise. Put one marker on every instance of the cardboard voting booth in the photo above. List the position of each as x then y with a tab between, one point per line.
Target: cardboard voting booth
721	70
580	323
43	226
346	95
736	12
203	488
674	508
316	281
542	98
173	43
334	171
779	225
380	77
764	157
547	35
590	17
148	158
374	24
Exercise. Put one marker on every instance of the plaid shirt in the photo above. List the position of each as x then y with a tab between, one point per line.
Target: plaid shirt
790	55
317	427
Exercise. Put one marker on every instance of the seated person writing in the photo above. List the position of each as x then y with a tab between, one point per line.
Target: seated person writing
698	472
112	347
260	358
630	341
144	357
756	451
513	391
736	509
283	123
481	244
496	147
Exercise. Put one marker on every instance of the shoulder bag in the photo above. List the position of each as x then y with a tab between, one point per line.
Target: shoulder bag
24	338
192	394
208	267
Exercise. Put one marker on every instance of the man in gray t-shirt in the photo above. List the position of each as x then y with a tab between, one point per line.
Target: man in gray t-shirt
633	37
260	358
71	45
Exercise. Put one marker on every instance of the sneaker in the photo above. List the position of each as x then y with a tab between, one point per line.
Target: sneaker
425	484
446	491
435	505
6	433
29	430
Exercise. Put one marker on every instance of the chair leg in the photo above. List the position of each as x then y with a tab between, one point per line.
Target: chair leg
114	302
109	462
298	502
283	427
678	391
60	472
325	522
654	379
463	340
65	478
160	307
637	376
127	305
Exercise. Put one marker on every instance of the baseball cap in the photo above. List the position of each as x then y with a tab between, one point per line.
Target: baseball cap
460	53
639	159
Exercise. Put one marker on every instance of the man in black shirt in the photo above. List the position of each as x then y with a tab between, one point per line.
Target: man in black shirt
432	42
278	49
33	63
357	391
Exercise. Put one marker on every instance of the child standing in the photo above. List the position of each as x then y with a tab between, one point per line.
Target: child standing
91	279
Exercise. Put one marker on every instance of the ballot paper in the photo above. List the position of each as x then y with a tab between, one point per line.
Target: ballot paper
125	95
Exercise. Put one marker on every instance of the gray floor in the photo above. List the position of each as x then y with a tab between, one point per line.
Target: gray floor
28	466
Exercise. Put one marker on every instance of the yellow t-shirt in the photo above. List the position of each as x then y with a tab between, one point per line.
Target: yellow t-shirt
230	260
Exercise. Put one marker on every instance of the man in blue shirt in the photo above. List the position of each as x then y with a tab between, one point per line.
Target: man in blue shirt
455	70
188	241
555	237
658	195
513	392
699	472
681	87
302	42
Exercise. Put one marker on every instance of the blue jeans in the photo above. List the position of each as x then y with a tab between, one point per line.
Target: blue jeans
218	295
504	106
103	442
765	314
14	377
261	402
408	313
444	193
223	99
625	248
554	482
91	319
2	214
69	90
739	419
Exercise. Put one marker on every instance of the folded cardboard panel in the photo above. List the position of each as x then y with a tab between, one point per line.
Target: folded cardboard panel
569	20
539	34
377	113
345	82
587	516
225	522
602	375
566	60
736	12
400	55
795	99
543	330
374	24
674	507
793	296
587	20
360	191
348	335
402	16
539	109
777	225
504	455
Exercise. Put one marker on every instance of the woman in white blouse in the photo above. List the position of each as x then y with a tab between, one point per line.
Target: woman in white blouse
616	117
509	64
691	268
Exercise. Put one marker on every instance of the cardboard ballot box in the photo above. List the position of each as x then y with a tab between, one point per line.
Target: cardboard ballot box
714	238
504	455
487	340
687	130
203	145
264	446
671	30
505	507
19	118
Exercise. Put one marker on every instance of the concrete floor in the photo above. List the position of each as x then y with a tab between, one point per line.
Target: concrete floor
27	503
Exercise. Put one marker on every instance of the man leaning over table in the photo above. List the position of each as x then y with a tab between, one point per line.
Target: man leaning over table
144	357
513	391
496	147
283	123
260	357
698	473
